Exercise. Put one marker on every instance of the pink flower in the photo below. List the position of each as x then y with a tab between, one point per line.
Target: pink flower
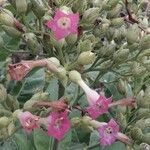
100	107
99	104
63	24
59	125
110	133
28	121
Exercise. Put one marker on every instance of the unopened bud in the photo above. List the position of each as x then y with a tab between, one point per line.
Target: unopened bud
21	6
79	7
86	58
32	41
4	122
75	76
71	39
121	119
143	113
7	18
143	123
17	113
90	16
117	22
111	4
136	134
61	72
85	45
144	146
106	64
38	8
121	86
11	31
75	121
3	93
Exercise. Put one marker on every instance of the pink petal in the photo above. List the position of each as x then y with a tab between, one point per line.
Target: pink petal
122	137
114	125
59	14
61	33
74	22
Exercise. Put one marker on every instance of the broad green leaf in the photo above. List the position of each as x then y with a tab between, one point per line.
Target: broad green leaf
41	140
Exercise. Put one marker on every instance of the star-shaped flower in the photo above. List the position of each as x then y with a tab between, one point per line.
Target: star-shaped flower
63	24
59	125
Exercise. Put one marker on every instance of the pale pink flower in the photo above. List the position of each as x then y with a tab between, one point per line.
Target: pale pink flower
59	125
28	121
110	133
99	104
100	107
63	24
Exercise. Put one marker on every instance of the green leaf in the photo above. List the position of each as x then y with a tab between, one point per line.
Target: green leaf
41	140
32	84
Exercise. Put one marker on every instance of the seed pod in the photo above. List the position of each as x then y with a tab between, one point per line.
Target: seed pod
3	93
21	6
11	31
132	34
7	18
86	58
38	8
121	55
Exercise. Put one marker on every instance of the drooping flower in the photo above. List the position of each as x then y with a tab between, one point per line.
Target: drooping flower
59	125
63	24
110	133
18	71
28	121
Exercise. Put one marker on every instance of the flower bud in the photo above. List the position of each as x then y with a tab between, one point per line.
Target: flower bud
7	18
144	43
121	120
143	123
4	122
38	8
17	113
21	6
29	105
132	34
89	16
136	134
143	113
97	3
75	121
55	61
85	45
32	41
74	76
121	55
79	7
111	4
66	9
61	72
145	52
86	58
3	93
71	39
11	31
121	86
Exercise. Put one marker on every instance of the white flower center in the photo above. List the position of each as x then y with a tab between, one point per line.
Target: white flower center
108	130
64	23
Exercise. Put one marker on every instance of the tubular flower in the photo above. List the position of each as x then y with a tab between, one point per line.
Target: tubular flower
28	121
110	133
59	125
63	24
